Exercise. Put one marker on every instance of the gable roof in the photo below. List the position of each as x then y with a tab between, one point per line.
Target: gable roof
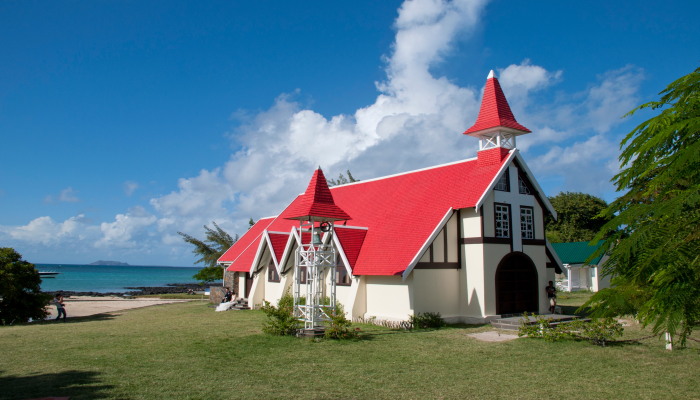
494	111
577	252
250	239
317	201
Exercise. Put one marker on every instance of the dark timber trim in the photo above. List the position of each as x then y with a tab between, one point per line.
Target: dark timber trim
444	239
492	240
459	237
437	265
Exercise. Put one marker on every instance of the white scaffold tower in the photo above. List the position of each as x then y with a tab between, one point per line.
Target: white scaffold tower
313	262
315	259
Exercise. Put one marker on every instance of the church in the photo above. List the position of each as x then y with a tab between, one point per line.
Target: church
465	239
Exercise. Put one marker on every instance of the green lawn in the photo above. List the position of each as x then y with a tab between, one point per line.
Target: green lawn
188	351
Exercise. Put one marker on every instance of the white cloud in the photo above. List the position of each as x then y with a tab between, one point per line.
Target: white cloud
47	231
125	228
130	187
68	195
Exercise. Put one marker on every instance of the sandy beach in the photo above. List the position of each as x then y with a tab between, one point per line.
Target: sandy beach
83	306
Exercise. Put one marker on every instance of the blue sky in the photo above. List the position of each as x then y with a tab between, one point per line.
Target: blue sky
124	122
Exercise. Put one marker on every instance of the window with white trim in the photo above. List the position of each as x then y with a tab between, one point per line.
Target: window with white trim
502	183
526	223
272	275
502	220
522	186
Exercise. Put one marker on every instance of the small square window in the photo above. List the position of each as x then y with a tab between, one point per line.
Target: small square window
502	183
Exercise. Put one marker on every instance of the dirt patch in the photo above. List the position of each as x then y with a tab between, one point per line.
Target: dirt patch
493	336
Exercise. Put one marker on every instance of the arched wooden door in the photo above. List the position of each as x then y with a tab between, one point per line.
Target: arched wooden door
516	285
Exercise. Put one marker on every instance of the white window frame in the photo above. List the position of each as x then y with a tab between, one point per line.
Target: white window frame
502	211
525	214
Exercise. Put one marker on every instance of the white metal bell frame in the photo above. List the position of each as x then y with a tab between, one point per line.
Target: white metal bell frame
318	260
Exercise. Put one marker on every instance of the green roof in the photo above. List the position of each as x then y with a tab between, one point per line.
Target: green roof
576	252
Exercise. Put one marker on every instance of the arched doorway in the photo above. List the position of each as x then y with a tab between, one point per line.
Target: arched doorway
516	285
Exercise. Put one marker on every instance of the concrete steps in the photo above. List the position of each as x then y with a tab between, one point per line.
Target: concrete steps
512	323
241	304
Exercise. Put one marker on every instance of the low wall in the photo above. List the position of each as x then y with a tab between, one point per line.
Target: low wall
216	294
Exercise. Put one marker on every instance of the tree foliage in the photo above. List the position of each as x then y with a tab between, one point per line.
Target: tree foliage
654	257
577	219
342	180
19	288
210	250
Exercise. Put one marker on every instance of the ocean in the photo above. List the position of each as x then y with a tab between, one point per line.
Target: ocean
103	278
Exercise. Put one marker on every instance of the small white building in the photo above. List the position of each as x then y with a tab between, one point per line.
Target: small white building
578	274
465	239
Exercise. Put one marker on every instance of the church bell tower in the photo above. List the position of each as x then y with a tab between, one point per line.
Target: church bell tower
495	127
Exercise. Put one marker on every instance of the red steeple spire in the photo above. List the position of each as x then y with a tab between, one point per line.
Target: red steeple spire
317	202
495	111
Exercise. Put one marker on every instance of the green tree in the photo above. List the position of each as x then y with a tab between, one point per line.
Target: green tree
251	223
654	257
342	180
19	288
210	250
577	219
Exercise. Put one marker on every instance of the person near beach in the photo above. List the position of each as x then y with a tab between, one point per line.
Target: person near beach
552	296
60	307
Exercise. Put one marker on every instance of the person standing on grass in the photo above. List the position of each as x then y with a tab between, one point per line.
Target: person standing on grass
552	296
60	307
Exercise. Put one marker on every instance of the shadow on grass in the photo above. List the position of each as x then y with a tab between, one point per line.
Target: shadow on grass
571	310
75	320
73	384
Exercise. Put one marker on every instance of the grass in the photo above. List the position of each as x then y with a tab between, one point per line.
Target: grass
188	351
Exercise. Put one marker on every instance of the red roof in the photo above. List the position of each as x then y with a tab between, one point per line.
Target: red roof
279	242
317	201
400	212
250	239
495	110
351	241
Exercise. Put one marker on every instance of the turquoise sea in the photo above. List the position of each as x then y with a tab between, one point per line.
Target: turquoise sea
102	278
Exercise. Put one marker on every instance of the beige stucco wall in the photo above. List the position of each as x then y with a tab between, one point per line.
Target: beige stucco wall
538	255
452	239
471	223
389	297
539	222
489	229
493	254
471	278
357	298
436	290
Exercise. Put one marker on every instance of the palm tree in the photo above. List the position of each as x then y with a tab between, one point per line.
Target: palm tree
210	250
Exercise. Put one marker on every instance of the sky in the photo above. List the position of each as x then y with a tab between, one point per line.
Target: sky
124	122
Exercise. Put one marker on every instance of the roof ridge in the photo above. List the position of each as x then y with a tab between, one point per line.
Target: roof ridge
406	173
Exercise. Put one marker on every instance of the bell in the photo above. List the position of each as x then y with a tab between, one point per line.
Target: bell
317	238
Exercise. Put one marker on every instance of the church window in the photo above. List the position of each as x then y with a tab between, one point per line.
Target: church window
342	278
502	183
522	186
272	275
502	221
526	223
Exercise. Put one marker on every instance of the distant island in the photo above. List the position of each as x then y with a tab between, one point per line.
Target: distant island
117	263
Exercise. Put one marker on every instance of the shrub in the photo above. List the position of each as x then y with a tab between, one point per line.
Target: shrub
598	331
19	289
280	320
426	320
339	327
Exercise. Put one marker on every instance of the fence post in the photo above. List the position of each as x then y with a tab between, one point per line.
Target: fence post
669	341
